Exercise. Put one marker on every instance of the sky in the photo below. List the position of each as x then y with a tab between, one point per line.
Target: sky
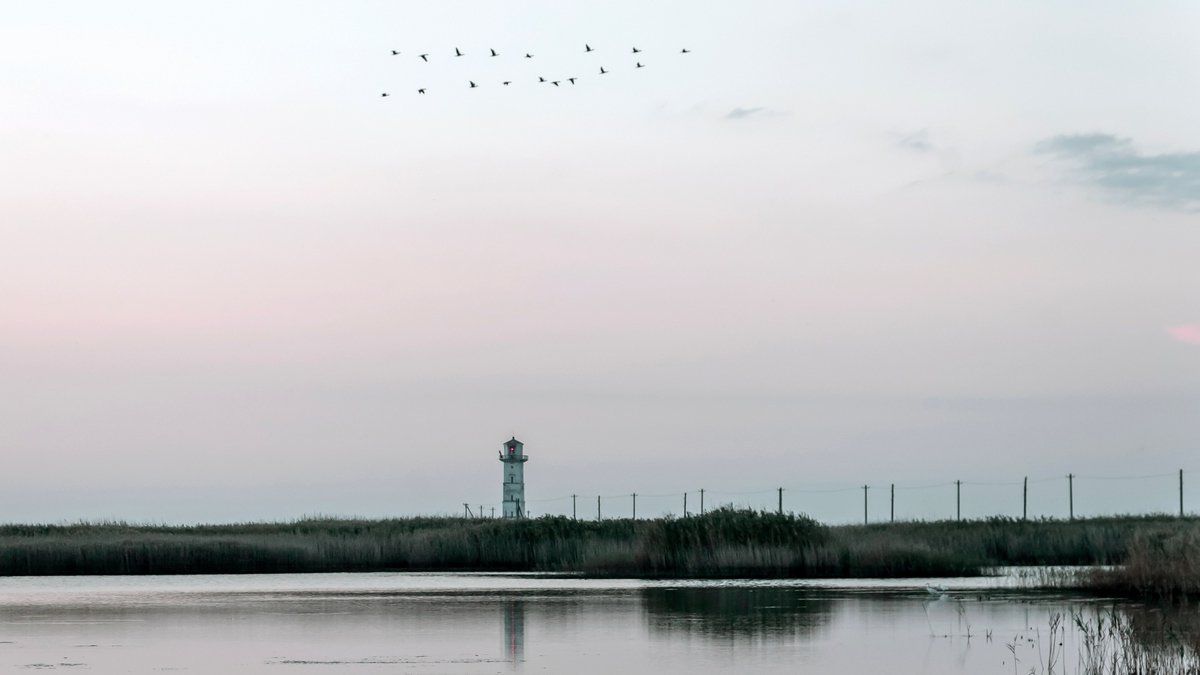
836	244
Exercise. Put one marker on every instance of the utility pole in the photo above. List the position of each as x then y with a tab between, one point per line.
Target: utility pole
598	508
893	516
466	510
1181	493
864	505
1025	500
493	512
1071	495
958	500
635	506
574	513
781	501
701	501
685	505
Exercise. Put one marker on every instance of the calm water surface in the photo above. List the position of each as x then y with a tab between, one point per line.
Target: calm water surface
472	623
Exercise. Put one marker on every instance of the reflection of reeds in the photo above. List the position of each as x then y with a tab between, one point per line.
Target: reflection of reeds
721	543
736	611
1114	643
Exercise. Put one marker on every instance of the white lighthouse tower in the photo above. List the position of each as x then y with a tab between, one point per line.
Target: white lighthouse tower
513	456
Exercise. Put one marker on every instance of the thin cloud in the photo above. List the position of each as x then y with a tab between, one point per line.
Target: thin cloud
1112	165
1188	332
918	141
743	113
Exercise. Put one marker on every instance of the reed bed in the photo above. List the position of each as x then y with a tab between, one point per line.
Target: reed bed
1164	565
722	543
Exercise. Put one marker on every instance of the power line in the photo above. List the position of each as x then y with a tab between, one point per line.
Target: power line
897	487
548	499
815	492
1155	475
924	487
740	494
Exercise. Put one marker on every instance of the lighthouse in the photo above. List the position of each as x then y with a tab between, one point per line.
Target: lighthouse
513	457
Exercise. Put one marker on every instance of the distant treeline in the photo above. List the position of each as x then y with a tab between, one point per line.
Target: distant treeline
722	543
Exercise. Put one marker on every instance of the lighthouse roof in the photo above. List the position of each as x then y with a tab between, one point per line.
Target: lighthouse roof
514	441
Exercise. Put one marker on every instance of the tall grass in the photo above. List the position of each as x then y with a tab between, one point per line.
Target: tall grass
1009	541
721	543
1165	565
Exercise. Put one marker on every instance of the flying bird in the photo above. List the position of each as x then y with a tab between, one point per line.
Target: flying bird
571	80
473	85
494	53
529	56
541	79
603	71
384	94
506	83
395	53
639	65
555	83
457	52
636	50
420	91
424	57
685	51
587	48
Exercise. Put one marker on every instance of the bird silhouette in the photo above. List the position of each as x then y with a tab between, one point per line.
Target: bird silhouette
473	85
571	80
457	52
395	53
424	57
529	56
587	48
685	51
639	65
541	79
555	83
636	50
603	71
420	91
494	53
384	94
506	83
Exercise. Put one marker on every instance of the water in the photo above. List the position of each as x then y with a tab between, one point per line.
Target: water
474	623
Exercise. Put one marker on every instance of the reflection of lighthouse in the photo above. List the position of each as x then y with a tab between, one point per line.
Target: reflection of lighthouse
513	456
514	630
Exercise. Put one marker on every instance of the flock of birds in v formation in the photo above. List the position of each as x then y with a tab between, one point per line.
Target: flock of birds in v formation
542	80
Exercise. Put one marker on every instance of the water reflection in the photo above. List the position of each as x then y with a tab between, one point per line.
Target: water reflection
737	612
413	624
514	631
1152	626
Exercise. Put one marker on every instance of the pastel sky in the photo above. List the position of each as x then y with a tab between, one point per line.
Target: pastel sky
837	244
